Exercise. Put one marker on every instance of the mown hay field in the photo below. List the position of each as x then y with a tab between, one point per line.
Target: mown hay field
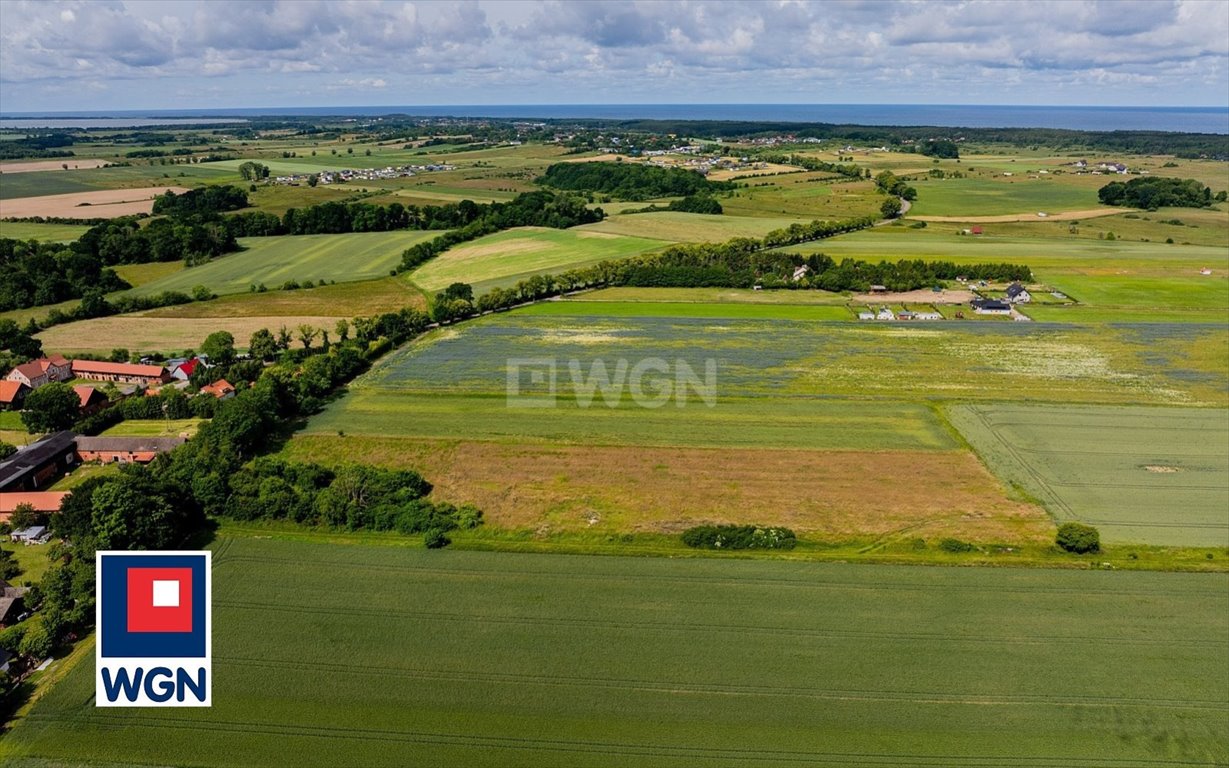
275	260
506	257
140	334
1140	475
347	654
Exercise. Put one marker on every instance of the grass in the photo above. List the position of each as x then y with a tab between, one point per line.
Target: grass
458	658
140	274
32	560
729	309
1141	475
275	260
365	297
688	227
84	472
999	195
54	233
710	296
506	257
784	361
154	428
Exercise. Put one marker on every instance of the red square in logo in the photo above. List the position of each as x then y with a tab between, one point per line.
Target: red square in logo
159	599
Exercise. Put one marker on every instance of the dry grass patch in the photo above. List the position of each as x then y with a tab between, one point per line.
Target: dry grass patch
369	297
103	204
162	334
836	494
72	163
1091	213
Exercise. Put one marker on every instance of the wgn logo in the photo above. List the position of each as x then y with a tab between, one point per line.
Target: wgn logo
154	627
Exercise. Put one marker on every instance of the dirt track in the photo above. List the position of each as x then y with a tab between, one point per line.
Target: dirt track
103	204
1092	213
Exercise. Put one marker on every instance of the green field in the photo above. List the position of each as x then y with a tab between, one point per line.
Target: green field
784	358
504	258
154	428
274	260
342	654
55	233
1141	475
688	227
728	309
996	196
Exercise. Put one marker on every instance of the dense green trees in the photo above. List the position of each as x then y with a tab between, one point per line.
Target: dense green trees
730	537
1078	538
35	273
944	148
204	200
253	171
629	181
50	408
1152	192
17	345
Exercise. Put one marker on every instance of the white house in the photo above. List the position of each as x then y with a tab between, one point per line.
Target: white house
885	314
1018	294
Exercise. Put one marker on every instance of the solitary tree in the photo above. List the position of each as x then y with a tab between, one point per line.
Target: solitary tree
220	347
343	329
1078	538
283	337
890	208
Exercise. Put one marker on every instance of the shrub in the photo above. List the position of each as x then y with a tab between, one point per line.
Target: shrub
435	538
955	545
739	537
1078	538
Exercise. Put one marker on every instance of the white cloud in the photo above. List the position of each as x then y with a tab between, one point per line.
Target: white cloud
1126	51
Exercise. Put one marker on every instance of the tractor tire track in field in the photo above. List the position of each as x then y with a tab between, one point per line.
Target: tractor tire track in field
609	748
1217	590
650	626
727	689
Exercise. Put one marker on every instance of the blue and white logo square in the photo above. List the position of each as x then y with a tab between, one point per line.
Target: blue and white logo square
154	629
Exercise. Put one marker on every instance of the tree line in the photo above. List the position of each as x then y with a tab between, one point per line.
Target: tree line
630	181
1152	192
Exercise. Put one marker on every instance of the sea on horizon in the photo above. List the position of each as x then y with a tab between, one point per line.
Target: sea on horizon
1090	118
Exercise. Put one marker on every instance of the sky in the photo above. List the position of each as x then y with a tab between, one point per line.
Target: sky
178	54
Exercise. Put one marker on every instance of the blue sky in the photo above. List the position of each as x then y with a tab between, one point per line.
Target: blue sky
162	54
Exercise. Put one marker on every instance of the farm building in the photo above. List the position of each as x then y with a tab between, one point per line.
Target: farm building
990	307
125	372
927	315
866	315
40	501
125	450
35	534
1018	294
36	465
182	370
11	605
44	370
885	314
221	389
92	401
12	394
801	272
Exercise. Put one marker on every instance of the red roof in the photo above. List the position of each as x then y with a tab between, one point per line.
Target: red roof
9	390
189	366
42	501
86	394
219	388
117	369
